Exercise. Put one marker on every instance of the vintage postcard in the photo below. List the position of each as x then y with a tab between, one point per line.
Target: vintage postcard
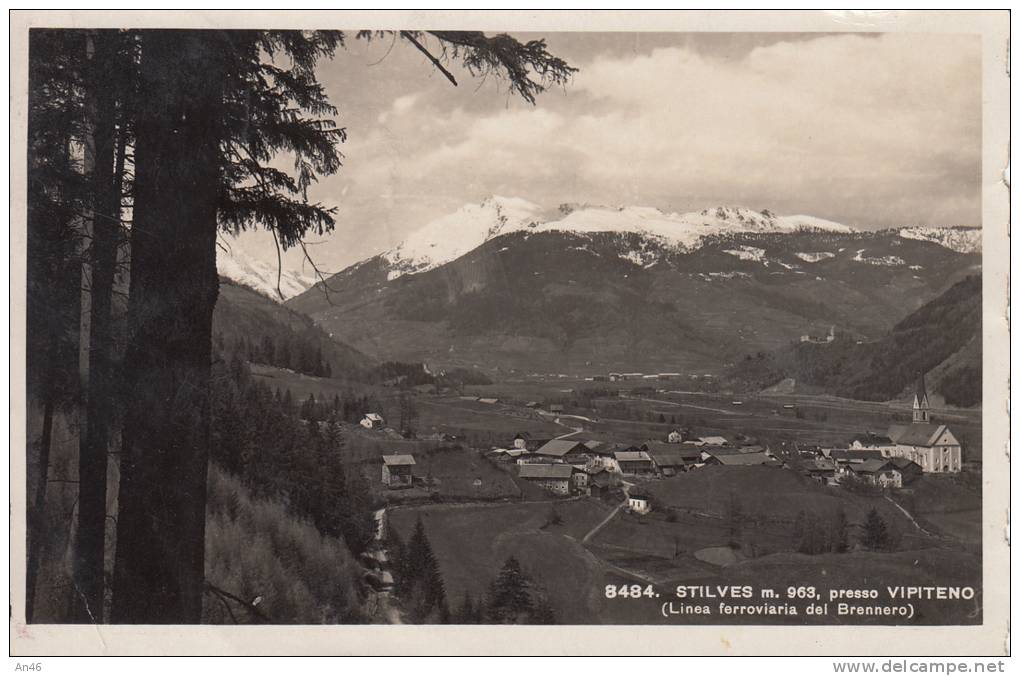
361	333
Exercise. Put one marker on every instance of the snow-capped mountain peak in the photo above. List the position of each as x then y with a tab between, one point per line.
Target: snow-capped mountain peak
453	235
234	264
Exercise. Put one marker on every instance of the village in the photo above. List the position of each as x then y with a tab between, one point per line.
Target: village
569	466
693	502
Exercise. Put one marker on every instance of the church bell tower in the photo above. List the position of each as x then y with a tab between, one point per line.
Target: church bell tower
922	410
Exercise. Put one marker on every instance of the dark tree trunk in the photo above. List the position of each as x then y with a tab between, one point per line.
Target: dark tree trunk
94	443
159	569
37	515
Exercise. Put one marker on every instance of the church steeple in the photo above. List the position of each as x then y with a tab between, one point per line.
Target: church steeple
922	410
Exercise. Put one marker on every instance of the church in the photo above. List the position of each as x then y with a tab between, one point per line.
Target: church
932	446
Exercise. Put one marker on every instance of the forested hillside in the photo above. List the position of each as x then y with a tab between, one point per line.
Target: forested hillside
941	337
266	332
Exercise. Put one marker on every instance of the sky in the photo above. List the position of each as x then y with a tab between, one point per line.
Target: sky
871	130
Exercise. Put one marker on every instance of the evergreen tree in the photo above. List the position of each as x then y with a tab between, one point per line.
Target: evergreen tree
509	599
56	195
422	586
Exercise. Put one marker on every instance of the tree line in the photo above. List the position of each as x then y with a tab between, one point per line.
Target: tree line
143	146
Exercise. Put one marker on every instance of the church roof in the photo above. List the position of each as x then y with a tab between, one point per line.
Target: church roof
918	434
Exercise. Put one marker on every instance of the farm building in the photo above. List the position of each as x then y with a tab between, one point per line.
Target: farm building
552	477
563	449
635	463
372	421
639	502
878	473
556	408
670	459
714	441
601	483
397	470
739	459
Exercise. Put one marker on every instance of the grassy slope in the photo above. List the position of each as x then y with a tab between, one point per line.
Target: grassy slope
472	542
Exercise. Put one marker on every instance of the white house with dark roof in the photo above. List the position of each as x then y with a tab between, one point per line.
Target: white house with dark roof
372	421
639	502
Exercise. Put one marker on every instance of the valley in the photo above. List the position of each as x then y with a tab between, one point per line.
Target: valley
720	368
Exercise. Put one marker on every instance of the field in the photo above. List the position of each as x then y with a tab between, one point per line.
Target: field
472	542
448	473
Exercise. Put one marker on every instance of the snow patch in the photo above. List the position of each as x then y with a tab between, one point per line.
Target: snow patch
877	260
814	256
747	253
963	240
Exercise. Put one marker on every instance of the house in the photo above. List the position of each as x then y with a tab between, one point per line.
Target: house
670	459
872	442
397	470
521	440
372	421
563	450
820	469
908	469
879	472
635	463
601	482
639	502
674	437
934	447
556	408
556	478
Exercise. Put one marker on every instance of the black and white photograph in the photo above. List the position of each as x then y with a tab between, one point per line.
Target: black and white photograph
328	323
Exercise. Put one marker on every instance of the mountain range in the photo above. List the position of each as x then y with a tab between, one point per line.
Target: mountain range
506	285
